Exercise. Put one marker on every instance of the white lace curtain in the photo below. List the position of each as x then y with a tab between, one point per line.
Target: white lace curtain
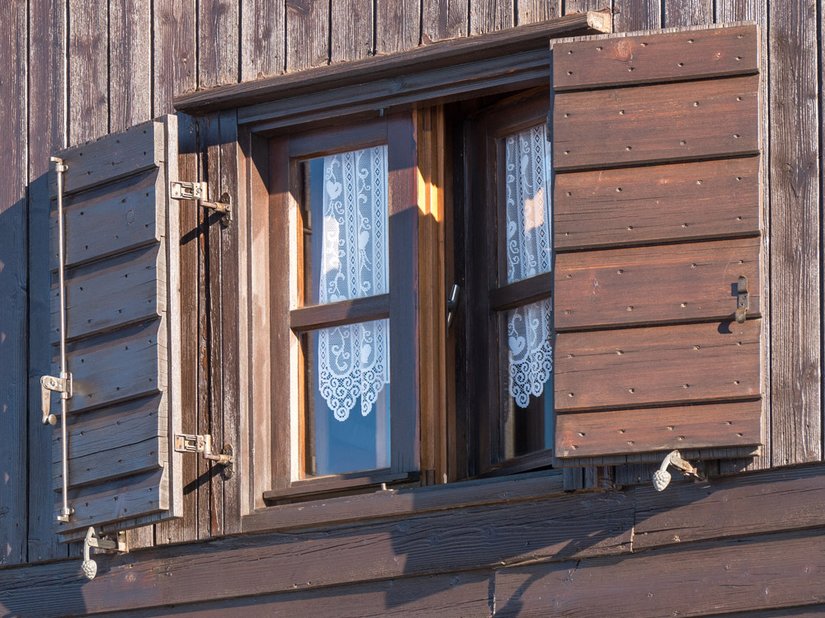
529	253
353	360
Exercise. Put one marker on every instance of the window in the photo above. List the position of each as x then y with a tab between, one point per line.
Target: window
565	303
348	410
508	328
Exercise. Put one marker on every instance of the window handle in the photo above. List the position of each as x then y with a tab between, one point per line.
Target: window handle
452	303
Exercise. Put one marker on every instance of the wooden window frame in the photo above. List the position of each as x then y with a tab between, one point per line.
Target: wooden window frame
492	64
291	318
486	298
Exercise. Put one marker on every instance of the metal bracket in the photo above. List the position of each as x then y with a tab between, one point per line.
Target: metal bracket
194	443
198	192
49	385
742	300
661	478
93	540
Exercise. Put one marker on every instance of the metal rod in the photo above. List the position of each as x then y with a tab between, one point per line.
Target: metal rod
60	168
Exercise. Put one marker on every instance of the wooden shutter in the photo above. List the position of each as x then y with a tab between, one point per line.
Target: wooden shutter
657	214
122	241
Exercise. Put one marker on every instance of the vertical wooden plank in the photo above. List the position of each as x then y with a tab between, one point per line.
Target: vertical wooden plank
531	11
403	275
130	102
228	354
307	29
632	15
687	12
210	501
47	113
795	234
88	70
175	71
491	15
218	32
443	19
130	66
432	282
397	25
262	38
741	10
582	6
755	10
175	45
13	285
351	26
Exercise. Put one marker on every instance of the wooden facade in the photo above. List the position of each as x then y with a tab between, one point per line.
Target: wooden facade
748	540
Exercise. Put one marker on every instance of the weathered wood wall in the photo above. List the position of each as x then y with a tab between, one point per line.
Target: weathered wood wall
80	69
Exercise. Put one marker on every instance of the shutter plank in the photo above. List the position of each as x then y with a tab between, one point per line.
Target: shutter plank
622	432
658	365
111	442
661	283
682	201
113	157
658	123
109	294
109	219
674	56
112	502
115	366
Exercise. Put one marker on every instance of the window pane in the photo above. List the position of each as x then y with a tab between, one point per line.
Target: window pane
529	253
345	225
348	402
527	184
527	420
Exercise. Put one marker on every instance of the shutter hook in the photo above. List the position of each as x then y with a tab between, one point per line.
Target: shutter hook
89	566
661	478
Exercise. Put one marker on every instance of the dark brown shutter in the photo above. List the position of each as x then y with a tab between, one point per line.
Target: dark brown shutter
657	216
122	329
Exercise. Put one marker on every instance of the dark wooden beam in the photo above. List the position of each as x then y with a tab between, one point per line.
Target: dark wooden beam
437	55
557	530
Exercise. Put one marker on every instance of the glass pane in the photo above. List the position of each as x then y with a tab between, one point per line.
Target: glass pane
527	422
345	225
527	190
348	399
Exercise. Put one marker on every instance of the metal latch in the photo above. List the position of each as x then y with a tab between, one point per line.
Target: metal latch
194	443
49	385
92	540
198	192
742	301
452	303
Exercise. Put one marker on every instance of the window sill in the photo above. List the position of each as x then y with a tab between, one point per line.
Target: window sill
337	484
392	503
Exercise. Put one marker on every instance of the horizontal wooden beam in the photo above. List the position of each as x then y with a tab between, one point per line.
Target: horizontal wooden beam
713	578
559	529
521	292
343	312
429	57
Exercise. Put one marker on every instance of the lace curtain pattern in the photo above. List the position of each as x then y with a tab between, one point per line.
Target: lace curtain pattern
353	360
529	253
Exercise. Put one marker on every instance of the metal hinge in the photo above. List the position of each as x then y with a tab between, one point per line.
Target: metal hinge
194	443
198	192
49	385
742	301
93	540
